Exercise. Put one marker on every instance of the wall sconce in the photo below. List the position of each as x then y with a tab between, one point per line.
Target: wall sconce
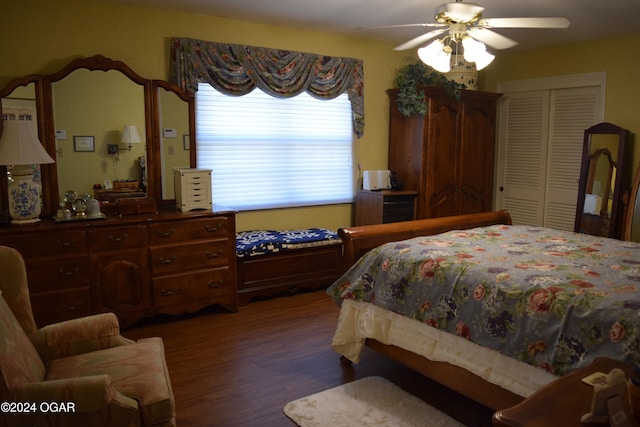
20	148
130	136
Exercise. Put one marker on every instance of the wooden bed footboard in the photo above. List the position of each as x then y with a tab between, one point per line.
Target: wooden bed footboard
356	241
459	379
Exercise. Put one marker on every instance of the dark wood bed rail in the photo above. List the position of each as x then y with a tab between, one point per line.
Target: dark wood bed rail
356	241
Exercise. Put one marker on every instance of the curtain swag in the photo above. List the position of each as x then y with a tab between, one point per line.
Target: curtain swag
236	70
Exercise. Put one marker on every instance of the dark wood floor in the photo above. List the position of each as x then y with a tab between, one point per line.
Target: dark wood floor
240	369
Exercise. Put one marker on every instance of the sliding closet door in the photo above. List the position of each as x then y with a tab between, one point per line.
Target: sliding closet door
540	134
572	111
522	156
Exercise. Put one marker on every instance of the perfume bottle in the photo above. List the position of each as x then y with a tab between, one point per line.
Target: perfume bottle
63	213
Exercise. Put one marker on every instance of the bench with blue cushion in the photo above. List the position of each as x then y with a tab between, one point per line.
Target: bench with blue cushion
275	261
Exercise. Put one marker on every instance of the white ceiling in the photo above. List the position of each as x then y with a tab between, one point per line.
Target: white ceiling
590	19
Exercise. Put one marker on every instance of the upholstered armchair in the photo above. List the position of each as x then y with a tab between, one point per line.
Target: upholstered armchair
81	372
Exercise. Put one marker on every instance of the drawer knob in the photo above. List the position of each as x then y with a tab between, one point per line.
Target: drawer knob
213	254
66	307
167	260
213	229
65	243
169	292
68	273
116	239
161	233
215	285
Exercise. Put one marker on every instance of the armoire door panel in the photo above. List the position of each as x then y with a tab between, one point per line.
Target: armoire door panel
475	163
442	157
443	202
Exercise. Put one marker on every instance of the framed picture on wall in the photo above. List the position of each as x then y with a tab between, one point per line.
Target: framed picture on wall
83	143
185	141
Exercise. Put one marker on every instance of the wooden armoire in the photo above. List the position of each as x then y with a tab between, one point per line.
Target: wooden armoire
447	154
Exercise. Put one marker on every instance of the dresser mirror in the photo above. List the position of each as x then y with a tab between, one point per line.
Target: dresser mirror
81	112
96	106
604	181
176	111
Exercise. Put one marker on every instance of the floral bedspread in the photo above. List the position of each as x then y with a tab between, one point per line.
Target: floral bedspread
550	298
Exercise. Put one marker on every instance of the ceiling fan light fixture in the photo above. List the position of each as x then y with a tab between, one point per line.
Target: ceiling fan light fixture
483	59
436	55
476	51
472	48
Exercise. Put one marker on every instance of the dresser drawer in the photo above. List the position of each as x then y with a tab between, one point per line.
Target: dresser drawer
183	258
184	288
196	197
117	238
58	273
49	244
195	179
179	231
59	306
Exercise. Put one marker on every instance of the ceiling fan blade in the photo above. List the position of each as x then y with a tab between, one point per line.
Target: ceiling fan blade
555	22
420	40
491	38
426	24
459	11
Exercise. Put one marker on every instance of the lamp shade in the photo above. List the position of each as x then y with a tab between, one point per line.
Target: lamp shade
19	144
436	55
475	51
130	135
483	59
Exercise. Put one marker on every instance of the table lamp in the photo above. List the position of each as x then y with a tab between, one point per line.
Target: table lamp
20	148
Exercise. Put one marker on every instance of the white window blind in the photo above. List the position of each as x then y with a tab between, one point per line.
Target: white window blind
267	152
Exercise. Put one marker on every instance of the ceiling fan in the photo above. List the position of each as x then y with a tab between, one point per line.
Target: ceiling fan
463	23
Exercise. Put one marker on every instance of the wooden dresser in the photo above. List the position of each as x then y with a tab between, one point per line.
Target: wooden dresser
135	266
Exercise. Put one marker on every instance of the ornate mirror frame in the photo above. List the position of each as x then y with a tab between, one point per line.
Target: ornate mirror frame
156	87
47	132
600	223
41	106
632	219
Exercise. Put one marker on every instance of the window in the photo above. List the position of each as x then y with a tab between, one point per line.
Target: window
267	152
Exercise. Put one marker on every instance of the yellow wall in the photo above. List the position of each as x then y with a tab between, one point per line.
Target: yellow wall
41	36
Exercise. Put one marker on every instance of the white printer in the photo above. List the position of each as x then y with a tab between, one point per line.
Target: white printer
376	180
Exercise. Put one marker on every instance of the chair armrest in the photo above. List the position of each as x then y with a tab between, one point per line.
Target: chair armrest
77	336
86	400
89	394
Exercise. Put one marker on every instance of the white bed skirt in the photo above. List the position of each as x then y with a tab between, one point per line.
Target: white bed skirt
360	320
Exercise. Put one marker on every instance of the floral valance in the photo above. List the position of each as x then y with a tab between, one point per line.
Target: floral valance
236	70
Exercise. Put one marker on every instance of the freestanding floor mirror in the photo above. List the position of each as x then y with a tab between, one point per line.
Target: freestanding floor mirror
604	181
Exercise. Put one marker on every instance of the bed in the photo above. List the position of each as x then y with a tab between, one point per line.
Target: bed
489	309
